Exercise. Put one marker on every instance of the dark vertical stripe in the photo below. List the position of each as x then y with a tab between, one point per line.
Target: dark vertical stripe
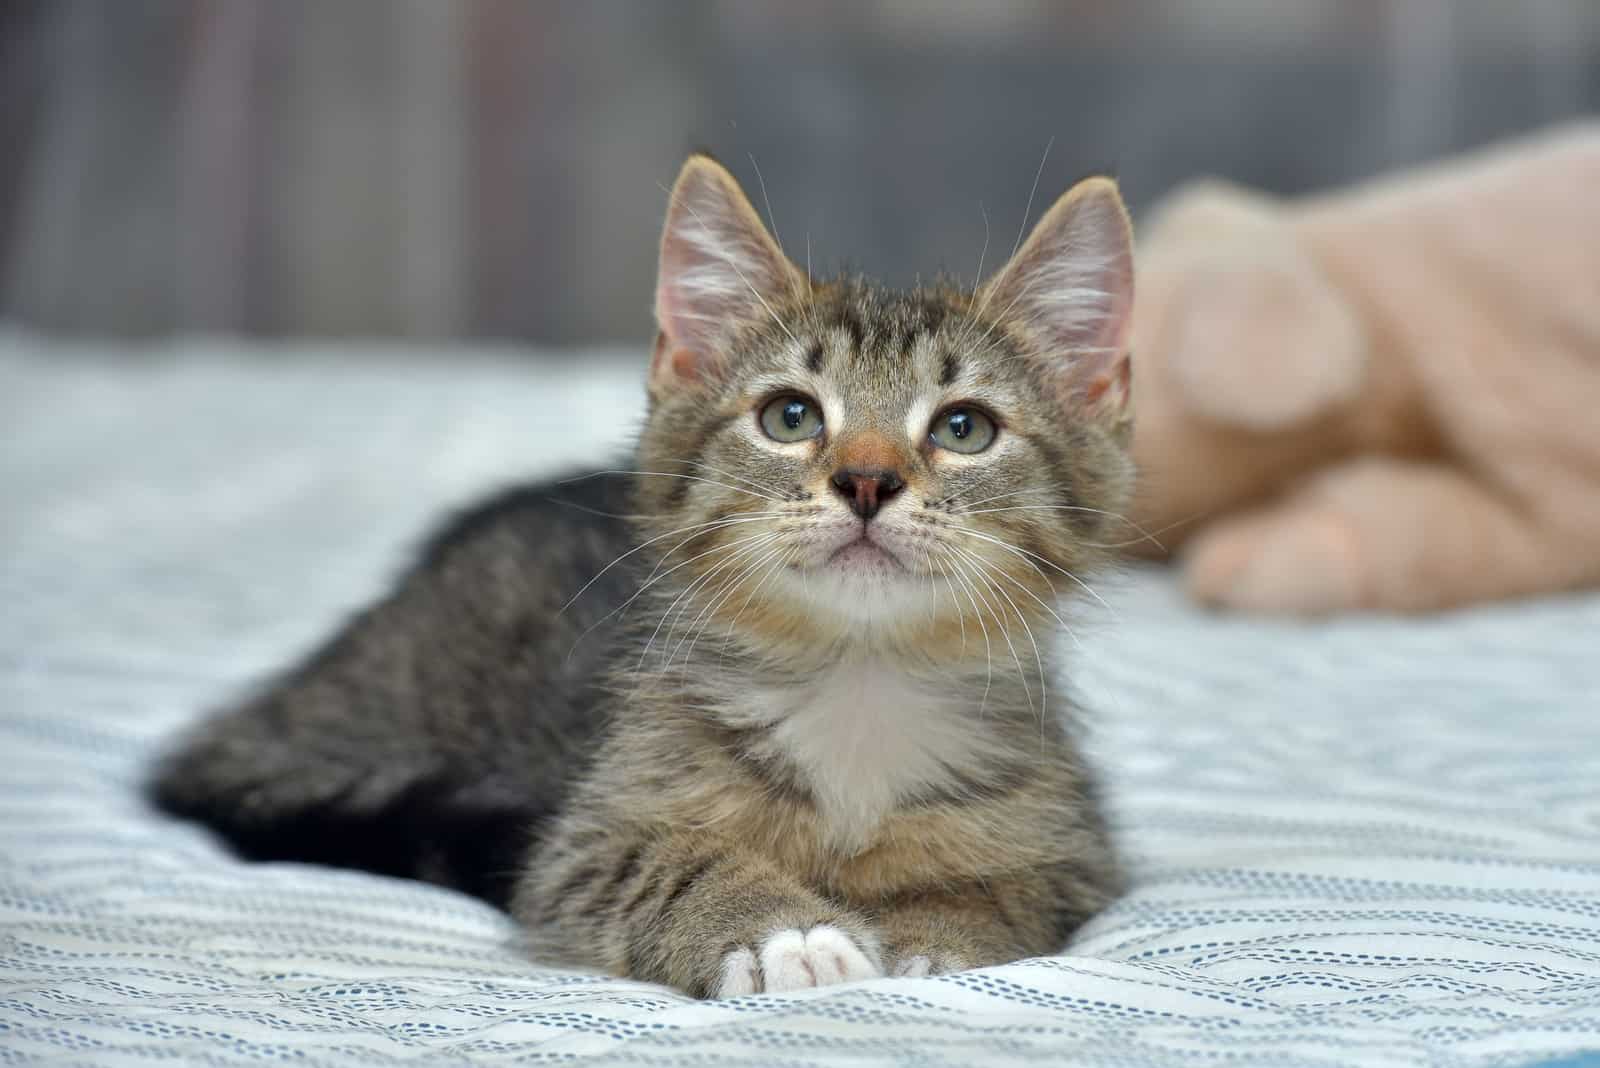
814	358
951	368
626	870
909	341
575	880
649	886
686	880
583	873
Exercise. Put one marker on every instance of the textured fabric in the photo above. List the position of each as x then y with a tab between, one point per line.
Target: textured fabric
1371	841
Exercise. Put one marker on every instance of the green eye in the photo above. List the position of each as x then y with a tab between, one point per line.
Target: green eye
791	418
962	430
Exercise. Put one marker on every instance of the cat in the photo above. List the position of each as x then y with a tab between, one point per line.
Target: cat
775	708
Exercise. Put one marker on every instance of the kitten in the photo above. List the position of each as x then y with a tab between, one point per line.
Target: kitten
773	711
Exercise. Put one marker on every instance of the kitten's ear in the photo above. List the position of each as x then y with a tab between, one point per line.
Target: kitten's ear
1070	290
719	270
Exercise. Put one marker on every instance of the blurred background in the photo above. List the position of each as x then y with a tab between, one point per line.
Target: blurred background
434	170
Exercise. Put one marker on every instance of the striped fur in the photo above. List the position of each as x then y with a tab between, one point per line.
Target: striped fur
736	764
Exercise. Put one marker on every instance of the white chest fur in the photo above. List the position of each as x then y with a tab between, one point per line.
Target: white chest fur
866	737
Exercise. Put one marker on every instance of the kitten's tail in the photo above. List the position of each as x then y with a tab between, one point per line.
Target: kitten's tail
469	834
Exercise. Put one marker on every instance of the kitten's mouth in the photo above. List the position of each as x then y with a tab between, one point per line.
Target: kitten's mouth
864	555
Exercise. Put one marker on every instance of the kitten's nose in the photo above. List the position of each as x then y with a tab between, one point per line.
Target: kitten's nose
866	490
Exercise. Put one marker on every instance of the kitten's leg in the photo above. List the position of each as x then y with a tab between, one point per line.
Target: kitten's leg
698	914
1382	534
982	924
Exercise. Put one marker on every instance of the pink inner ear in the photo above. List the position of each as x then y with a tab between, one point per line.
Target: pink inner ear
718	269
674	364
1071	289
688	343
1110	390
682	320
686	364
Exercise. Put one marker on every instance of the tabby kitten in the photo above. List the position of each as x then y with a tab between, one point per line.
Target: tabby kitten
774	710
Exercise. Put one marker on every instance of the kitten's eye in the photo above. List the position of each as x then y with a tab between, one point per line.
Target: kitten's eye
962	430
791	418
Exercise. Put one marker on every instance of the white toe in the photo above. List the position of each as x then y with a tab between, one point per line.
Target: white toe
796	960
835	958
783	962
914	967
739	975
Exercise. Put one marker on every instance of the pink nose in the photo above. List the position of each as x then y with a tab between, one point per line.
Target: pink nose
866	490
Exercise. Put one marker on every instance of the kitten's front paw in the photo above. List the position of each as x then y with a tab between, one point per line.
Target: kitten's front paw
792	959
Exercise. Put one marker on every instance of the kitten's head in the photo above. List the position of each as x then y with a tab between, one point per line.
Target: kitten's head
831	457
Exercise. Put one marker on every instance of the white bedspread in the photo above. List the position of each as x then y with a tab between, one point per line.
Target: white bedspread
1373	841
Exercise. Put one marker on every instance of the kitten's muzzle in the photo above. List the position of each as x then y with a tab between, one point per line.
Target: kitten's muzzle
866	490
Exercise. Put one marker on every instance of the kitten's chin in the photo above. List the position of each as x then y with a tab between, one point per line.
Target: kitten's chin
862	582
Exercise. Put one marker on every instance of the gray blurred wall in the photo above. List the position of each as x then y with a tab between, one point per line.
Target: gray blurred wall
429	170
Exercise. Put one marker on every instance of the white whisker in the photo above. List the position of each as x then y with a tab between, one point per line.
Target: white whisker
979	584
723	594
733	624
741	562
988	650
673	474
1037	658
991	565
1145	534
653	578
687	590
772	220
717	523
982	255
729	474
1026	555
1021	231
